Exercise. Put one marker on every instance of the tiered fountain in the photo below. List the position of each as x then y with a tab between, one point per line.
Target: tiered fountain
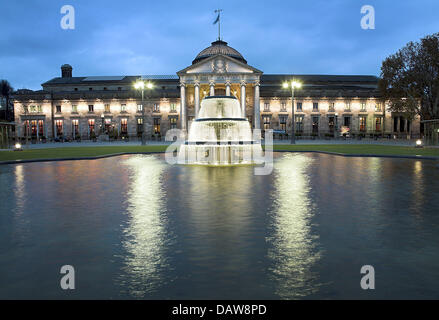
220	135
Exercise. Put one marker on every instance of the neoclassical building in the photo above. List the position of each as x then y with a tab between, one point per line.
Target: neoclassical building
83	107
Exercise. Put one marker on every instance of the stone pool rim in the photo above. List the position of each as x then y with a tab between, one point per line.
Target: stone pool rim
415	157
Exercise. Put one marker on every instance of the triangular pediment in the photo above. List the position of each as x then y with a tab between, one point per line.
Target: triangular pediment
219	64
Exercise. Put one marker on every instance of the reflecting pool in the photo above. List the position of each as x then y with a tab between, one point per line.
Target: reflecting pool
134	227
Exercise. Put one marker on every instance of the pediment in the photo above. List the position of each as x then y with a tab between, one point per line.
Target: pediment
219	64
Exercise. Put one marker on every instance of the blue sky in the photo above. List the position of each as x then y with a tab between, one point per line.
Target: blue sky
135	37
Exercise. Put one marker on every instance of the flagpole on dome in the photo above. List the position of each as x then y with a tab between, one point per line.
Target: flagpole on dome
218	20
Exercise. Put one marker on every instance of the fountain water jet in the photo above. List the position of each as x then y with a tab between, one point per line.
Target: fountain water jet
220	136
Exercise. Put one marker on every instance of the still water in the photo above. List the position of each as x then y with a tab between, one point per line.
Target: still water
134	227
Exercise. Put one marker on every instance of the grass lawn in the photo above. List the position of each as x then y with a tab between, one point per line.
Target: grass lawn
78	152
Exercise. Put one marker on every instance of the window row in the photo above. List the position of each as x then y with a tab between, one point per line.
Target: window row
315	107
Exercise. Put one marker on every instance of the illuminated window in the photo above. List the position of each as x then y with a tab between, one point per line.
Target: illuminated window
124	126
283	106
74	108
378	122
299	106
266	106
157	125
139	125
172	107
33	109
362	123
315	106
41	128
378	107
107	125
107	107
363	107
75	127
283	123
331	124
332	107
123	107
39	109
299	123
91	126
33	125
139	108
347	106
173	121
59	127
156	107
266	120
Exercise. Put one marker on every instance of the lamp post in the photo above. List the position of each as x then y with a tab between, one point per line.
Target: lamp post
293	85
140	85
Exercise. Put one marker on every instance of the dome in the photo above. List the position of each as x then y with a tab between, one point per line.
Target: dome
219	47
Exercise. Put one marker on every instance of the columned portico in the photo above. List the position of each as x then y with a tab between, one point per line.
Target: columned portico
212	88
257	107
243	98
197	98
183	110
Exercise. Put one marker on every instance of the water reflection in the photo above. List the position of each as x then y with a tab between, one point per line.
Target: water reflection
145	233
294	247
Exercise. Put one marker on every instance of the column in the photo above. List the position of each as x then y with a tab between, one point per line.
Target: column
257	112
227	88
243	98
212	87
183	105
197	98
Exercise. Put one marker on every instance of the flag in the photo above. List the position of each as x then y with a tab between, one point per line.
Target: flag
217	19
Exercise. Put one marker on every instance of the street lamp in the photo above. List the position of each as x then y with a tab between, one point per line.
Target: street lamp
141	85
293	85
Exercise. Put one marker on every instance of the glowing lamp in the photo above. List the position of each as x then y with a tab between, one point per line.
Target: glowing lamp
419	143
17	147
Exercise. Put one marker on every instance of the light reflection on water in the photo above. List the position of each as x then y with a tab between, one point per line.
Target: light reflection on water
135	227
295	247
145	235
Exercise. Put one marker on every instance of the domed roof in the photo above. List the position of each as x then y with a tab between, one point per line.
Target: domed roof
219	47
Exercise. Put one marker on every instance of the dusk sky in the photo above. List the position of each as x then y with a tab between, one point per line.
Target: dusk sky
136	37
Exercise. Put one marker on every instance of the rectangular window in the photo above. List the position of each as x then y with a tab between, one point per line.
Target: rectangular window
139	125
378	107
266	120
347	122
33	125
107	108
124	126
315	124
75	128
363	107
299	106
347	106
378	122
331	124
173	121
25	109
157	125
331	107
123	107
33	109
266	106
283	123
315	106
74	108
91	108
172	107
58	109
41	128
91	126
363	123
283	106
107	125
156	107
59	127
139	108
299	123
39	109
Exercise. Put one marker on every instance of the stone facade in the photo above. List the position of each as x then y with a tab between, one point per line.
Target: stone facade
74	107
